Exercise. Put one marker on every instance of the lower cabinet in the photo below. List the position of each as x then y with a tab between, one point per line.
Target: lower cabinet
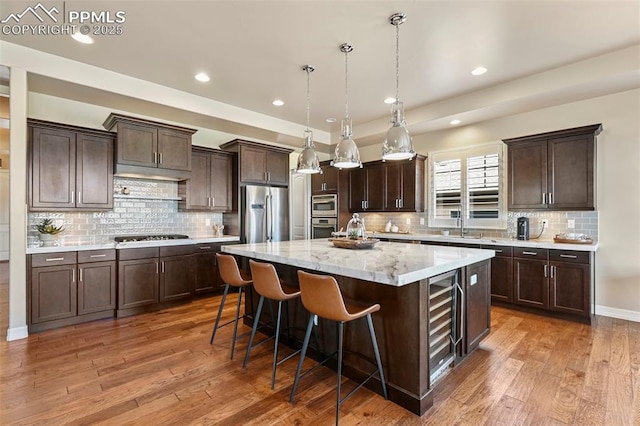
71	287
530	283
137	282
177	278
478	304
502	274
207	278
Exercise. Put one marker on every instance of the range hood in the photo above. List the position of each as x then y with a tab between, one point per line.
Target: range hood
149	149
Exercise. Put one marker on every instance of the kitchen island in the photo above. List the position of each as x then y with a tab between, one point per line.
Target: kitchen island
401	278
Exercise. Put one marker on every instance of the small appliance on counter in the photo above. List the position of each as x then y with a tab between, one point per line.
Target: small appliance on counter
523	228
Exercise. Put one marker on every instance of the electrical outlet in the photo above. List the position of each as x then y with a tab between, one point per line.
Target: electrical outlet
408	221
422	221
207	222
571	223
545	223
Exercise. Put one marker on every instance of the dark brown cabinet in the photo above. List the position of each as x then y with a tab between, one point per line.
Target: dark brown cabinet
260	164
501	274
531	287
326	181
210	186
554	170
477	304
207	279
366	190
70	168
177	279
71	287
151	148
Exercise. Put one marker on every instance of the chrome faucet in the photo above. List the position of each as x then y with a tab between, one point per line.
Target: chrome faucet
460	220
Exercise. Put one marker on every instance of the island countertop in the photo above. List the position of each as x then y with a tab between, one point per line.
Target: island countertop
395	264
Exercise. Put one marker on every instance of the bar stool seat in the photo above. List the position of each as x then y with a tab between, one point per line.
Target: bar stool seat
322	297
269	286
232	276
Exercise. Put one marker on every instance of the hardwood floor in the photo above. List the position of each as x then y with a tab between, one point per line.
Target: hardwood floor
160	369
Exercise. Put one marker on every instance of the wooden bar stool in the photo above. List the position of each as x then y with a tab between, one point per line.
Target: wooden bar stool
322	297
231	276
269	286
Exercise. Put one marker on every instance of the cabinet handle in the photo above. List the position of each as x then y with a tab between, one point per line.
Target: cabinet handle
366	204
544	198
553	271
213	202
551	198
156	268
401	202
97	255
54	259
73	201
569	256
162	265
80	280
545	271
498	251
155	157
160	158
362	205
530	253
205	248
73	275
79	196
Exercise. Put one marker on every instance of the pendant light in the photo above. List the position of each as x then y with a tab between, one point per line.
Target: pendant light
397	145
308	162
346	155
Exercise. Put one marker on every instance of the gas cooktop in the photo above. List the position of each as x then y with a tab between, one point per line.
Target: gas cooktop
135	238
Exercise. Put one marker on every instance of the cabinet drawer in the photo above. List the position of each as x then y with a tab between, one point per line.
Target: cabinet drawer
569	256
96	255
501	251
207	248
52	259
176	250
530	253
138	253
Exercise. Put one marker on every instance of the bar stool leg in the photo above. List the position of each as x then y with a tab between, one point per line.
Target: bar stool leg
376	352
256	320
303	352
275	350
215	327
235	325
340	326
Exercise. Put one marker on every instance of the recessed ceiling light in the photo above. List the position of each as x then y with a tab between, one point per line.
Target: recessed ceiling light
479	71
202	77
278	102
82	38
330	120
389	100
454	122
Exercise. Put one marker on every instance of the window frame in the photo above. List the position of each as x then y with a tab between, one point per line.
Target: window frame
464	154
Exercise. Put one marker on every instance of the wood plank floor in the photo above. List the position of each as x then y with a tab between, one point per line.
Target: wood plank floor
160	369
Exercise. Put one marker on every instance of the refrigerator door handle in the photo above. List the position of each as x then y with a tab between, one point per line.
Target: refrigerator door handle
269	216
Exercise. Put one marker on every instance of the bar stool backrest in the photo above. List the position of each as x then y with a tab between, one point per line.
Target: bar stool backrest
321	296
266	281
229	271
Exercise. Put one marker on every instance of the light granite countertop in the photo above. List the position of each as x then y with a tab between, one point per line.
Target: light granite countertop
80	246
389	263
486	241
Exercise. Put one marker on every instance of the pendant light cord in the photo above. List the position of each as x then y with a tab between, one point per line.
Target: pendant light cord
397	63
346	83
308	99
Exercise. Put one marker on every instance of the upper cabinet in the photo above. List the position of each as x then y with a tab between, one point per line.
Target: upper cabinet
150	148
69	167
210	186
326	181
553	171
388	186
260	164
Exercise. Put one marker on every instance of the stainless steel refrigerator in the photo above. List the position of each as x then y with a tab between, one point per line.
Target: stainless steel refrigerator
265	214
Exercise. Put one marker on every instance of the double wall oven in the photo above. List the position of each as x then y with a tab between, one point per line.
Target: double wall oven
324	215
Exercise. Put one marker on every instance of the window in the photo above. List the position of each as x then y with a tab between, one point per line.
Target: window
468	183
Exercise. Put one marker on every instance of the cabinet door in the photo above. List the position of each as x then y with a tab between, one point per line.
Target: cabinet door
571	177
199	186
253	164
317	182
96	287
531	285
527	174
94	172
53	168
375	191
221	182
277	168
53	293
330	175
174	150
137	145
478	304
137	282
501	279
392	186
207	279
357	189
177	279
569	288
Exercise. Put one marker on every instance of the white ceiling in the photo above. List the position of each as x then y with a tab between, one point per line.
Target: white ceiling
254	51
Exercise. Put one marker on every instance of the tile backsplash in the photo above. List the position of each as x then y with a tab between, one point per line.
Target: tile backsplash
151	207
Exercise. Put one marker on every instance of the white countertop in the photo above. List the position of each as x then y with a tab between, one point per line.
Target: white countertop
395	264
80	246
485	241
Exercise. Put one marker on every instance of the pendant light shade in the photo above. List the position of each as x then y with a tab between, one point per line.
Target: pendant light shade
346	154
397	144
308	162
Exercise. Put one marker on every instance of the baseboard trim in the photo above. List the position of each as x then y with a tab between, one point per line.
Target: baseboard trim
17	333
624	314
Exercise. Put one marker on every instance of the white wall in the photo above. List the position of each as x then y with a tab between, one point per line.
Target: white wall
618	182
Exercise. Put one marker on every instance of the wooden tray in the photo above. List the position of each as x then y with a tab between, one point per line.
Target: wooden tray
354	244
573	241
